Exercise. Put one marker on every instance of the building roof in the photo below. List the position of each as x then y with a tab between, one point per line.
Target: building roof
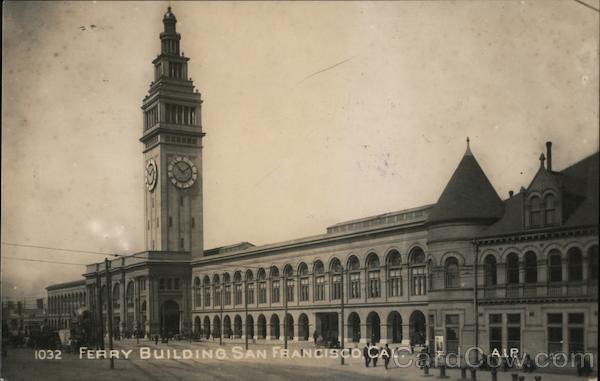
579	179
468	196
75	283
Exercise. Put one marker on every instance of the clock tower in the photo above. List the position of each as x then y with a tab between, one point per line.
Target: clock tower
172	138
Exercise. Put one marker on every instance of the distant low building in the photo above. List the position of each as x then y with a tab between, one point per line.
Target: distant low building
64	299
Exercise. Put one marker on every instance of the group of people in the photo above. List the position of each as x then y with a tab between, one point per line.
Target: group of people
371	353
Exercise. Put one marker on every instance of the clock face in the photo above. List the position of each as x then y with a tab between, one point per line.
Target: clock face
182	172
151	175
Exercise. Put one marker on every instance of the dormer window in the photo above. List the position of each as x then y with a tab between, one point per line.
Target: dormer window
550	209
542	210
535	212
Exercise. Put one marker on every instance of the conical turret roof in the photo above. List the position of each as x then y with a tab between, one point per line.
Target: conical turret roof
468	196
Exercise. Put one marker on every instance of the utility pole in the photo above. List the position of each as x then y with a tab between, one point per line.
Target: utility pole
110	317
221	310
476	299
100	328
246	309
285	313
342	326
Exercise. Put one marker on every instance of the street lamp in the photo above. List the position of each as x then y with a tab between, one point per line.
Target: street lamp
246	310
221	310
343	320
285	309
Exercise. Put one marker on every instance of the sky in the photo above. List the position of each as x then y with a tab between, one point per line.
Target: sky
315	113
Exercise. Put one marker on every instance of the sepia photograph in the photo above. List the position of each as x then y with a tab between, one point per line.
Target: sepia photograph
300	190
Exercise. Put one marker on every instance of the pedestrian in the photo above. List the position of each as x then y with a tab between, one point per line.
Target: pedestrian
385	354
374	352
155	339
315	336
367	355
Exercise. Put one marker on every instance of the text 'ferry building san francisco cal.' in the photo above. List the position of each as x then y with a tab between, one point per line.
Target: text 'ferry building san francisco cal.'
471	269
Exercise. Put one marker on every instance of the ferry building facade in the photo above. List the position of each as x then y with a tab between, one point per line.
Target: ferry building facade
471	269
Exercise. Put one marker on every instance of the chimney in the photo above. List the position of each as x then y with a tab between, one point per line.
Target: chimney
510	193
549	156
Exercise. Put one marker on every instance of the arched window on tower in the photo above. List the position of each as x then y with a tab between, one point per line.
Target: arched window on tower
490	275
452	274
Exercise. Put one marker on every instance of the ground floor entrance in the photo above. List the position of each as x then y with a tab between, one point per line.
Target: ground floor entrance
169	318
326	328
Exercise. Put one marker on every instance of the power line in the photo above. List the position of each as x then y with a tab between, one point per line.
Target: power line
60	249
587	5
43	260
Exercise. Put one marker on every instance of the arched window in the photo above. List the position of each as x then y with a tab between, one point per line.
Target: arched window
116	295
237	284
129	295
593	263
535	211
249	287
288	275
275	285
335	272
354	275
227	288
394	271
417	272
452	275
512	269
304	281
490	275
373	276
530	267
206	284
554	266
319	274
575	265
217	289
262	286
550	212
197	292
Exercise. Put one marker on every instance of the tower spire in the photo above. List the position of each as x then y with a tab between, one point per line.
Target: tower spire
468	151
170	38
